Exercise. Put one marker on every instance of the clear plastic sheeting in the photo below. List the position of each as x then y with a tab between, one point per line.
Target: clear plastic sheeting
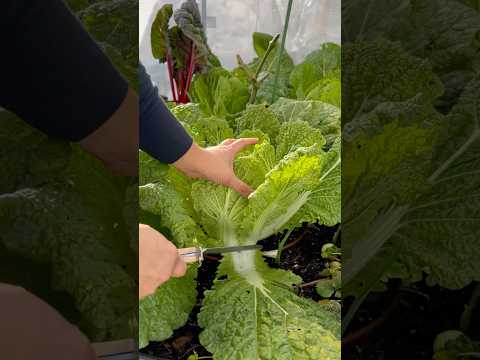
230	24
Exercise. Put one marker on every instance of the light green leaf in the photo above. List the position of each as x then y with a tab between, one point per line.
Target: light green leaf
254	315
320	115
258	117
167	309
162	199
296	134
150	169
159	37
327	90
285	190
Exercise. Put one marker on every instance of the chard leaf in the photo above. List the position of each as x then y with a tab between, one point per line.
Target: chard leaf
113	22
167	309
159	35
254	315
189	22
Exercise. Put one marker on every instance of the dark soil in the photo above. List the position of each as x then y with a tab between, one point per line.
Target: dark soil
403	322
303	258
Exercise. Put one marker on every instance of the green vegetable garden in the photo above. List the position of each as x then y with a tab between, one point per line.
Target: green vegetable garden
253	310
410	177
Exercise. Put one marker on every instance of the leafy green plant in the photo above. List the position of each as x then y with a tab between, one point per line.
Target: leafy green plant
299	186
411	146
183	47
252	311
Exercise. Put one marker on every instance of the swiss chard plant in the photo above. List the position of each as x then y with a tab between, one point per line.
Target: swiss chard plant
182	47
252	311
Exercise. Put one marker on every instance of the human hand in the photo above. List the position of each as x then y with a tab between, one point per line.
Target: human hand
216	163
31	329
159	260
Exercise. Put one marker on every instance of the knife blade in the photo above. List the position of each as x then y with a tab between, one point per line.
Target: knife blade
228	249
194	254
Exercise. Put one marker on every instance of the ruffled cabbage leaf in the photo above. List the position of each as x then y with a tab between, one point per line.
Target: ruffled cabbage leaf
297	179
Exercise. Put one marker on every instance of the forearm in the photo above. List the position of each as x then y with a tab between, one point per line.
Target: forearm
116	141
161	135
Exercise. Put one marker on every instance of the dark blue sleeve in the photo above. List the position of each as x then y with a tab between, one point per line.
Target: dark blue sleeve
52	73
161	135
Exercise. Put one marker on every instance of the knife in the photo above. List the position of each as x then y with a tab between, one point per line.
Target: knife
194	254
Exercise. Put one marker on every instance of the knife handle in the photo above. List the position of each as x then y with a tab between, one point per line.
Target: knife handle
190	254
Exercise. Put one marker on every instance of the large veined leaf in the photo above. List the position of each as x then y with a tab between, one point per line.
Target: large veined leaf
296	180
443	31
318	65
435	207
258	117
373	82
219	93
167	309
189	22
449	211
56	216
159	35
320	115
115	23
327	90
253	315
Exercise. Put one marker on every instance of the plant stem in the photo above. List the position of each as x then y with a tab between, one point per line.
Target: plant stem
466	318
191	66
310	283
170	76
281	50
337	233
281	246
255	82
271	46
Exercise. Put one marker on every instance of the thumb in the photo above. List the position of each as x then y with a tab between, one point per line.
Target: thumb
180	268
239	186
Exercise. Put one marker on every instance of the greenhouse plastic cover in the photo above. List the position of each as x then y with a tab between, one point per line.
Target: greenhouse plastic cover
230	24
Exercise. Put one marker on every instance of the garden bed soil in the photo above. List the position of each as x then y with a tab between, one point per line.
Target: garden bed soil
403	322
303	257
